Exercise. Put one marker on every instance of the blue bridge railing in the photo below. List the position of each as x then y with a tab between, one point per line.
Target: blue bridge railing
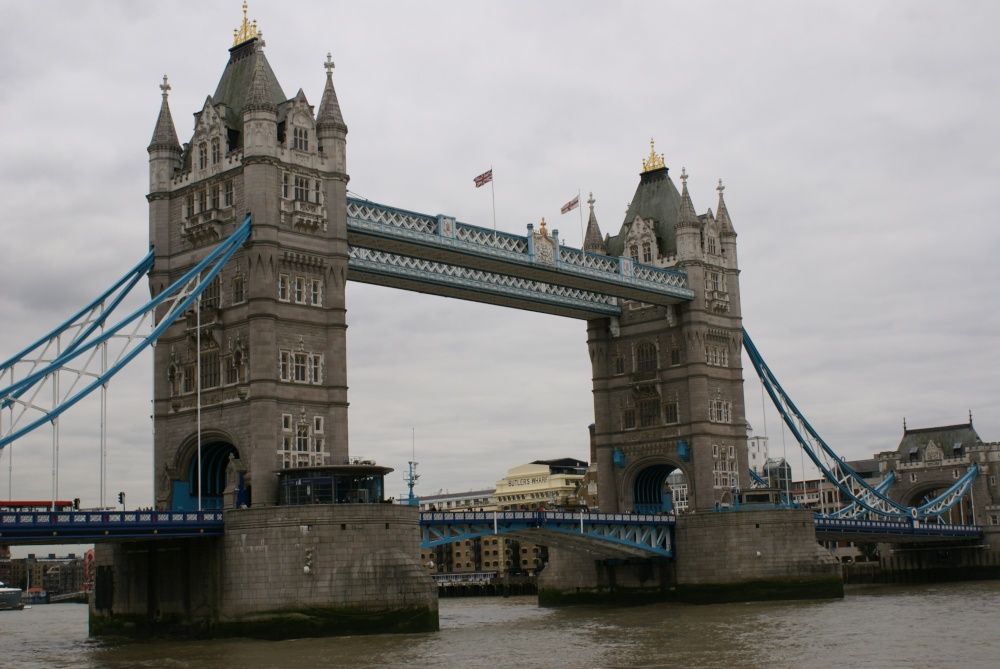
98	526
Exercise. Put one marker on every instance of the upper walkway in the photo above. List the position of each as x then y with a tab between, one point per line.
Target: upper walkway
440	256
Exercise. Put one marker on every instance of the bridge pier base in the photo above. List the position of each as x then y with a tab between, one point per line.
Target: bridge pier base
278	573
752	555
578	578
719	557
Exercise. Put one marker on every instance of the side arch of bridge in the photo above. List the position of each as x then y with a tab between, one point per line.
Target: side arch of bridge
603	535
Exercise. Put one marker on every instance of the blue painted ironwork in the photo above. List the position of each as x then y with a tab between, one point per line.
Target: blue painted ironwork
365	262
608	534
854	510
853	487
896	530
99	526
442	239
79	359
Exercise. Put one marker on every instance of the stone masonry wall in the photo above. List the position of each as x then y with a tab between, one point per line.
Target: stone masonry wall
291	558
750	545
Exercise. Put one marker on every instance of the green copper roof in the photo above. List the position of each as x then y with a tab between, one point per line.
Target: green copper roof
655	198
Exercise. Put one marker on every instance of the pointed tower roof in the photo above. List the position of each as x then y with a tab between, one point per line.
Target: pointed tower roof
258	95
686	217
592	240
656	198
329	108
245	57
164	134
725	224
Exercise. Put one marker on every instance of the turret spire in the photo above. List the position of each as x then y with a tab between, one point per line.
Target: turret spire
685	213
259	92
592	240
164	135
722	216
329	116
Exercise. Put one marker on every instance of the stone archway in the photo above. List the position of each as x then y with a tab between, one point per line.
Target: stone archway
210	479
917	496
659	488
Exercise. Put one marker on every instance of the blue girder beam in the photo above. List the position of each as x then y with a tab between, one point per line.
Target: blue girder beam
605	535
443	240
76	527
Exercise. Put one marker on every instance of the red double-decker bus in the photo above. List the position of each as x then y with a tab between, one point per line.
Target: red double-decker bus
39	506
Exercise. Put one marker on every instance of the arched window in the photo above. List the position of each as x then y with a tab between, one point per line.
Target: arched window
647	252
216	153
202	155
633	252
645	357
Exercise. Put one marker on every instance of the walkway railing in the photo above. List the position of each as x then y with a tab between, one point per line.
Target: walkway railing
97	526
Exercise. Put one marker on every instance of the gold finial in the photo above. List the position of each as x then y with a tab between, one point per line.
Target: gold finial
542	230
247	30
654	162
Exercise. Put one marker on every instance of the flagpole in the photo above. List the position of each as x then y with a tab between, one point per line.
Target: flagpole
493	195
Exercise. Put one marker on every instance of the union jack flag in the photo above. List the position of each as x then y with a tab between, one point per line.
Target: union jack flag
484	178
571	205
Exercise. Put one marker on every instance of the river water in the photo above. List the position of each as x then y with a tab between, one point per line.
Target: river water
948	626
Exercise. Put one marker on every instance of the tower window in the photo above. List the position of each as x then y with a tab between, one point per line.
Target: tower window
675	356
633	252
227	197
202	156
315	365
316	190
649	413
619	364
216	154
647	252
302	189
300	139
316	292
239	286
283	287
284	185
210	370
189	206
673	414
645	357
215	197
300	367
628	419
300	290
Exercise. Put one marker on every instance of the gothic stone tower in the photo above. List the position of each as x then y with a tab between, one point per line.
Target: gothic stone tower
272	325
668	381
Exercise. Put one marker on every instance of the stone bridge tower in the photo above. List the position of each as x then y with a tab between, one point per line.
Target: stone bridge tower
668	381
271	327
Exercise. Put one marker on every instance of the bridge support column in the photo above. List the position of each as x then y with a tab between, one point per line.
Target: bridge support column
753	555
578	578
278	573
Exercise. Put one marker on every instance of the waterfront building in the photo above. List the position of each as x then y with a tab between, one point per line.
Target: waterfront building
542	484
52	574
756	451
5	576
778	473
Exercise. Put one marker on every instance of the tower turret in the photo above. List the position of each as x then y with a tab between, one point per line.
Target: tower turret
592	240
727	233
330	126
688	227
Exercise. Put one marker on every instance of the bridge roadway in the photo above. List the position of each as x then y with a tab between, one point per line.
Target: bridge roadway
440	256
86	527
605	536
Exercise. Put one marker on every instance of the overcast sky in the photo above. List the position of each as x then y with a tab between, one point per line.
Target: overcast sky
857	141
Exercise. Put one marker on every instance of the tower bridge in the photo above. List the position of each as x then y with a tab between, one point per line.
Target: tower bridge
250	404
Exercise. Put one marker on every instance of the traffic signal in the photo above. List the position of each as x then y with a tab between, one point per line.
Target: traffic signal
121	498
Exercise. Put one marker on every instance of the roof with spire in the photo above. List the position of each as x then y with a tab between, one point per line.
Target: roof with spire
329	107
164	134
592	240
234	89
946	437
656	198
